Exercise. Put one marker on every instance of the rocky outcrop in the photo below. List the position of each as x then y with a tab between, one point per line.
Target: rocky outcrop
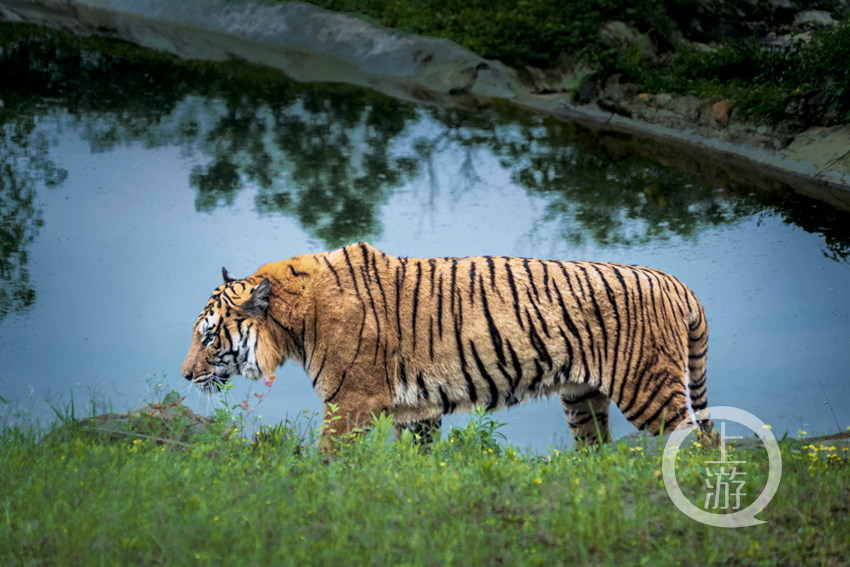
311	44
168	421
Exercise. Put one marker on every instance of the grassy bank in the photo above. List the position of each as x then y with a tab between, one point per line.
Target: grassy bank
78	499
762	80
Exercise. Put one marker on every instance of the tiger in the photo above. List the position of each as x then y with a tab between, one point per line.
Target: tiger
420	338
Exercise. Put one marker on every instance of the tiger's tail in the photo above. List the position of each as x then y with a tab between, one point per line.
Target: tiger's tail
697	387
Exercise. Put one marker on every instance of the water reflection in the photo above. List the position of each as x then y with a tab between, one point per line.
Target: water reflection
24	165
591	196
329	156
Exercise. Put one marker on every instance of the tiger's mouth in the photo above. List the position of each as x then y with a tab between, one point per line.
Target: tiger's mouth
210	383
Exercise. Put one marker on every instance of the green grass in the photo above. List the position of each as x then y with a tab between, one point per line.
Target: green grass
78	499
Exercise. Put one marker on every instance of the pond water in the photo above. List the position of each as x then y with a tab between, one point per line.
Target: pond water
127	179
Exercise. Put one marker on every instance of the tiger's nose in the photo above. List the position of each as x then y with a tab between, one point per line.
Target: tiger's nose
187	375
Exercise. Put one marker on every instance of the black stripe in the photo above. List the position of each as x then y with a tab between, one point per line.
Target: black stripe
304	336
660	384
433	264
699	338
365	252
227	336
338	388
315	330
458	322
482	370
539	315
630	343
492	266
378	281
570	358
285	329
538	343
421	383
402	373
641	325
612	299
697	382
472	283
514	293
333	271
445	400
515	361
416	301
296	273
495	336
535	382
546	280
440	308
431	337
530	278
398	281
571	327
453	286
580	398
364	270
321	367
651	419
595	308
588	417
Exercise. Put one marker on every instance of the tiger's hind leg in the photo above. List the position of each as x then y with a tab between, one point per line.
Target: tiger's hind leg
661	405
424	431
587	413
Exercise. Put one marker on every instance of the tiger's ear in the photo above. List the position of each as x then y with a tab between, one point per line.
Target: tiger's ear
258	301
227	276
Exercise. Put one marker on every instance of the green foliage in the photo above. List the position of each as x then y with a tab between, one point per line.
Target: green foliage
481	433
221	500
516	32
761	79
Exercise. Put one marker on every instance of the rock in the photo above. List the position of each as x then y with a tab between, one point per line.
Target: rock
661	99
814	17
812	108
614	96
167	420
686	106
622	35
586	91
617	90
720	111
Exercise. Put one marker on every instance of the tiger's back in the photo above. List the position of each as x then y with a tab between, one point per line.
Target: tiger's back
421	338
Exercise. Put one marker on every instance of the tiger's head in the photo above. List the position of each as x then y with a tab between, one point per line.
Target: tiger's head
228	334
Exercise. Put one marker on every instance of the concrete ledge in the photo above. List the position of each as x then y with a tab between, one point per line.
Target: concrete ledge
311	44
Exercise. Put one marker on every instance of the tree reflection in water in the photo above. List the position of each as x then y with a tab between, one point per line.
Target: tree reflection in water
328	155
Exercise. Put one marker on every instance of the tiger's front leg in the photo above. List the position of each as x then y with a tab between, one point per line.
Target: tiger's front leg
350	411
587	413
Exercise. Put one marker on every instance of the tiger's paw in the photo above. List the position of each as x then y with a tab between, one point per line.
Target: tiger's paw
710	439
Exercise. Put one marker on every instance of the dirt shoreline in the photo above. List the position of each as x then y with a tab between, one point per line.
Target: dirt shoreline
311	44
